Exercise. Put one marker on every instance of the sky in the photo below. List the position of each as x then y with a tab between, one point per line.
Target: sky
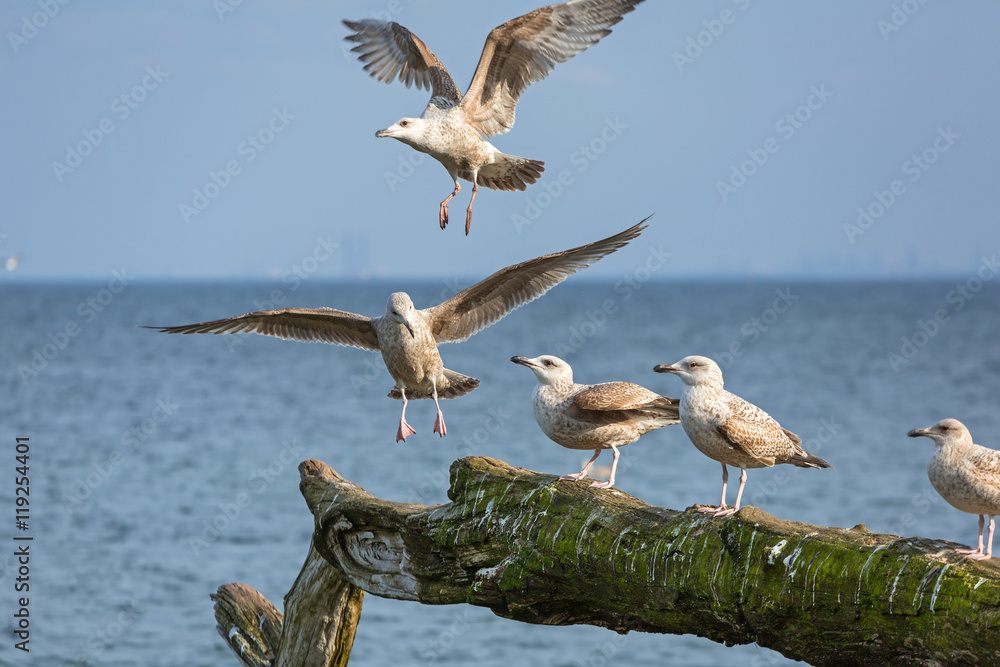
236	140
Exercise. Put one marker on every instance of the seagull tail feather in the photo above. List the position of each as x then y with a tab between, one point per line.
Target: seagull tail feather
458	385
804	459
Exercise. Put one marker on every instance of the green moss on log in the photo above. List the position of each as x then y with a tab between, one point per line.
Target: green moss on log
541	551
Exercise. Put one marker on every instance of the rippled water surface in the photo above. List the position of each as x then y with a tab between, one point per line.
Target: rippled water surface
139	440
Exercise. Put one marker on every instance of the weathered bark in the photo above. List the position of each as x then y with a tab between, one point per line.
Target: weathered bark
321	611
248	623
540	551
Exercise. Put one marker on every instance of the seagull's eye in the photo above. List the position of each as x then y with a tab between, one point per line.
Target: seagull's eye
404	123
548	362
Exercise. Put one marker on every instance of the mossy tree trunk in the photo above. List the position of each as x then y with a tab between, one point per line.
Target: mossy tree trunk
540	551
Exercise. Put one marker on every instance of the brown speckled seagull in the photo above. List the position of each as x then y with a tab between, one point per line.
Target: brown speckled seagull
730	430
408	338
516	54
966	475
593	416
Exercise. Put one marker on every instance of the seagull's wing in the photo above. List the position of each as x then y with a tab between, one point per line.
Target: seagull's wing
486	302
389	50
754	432
526	49
984	465
623	396
324	325
613	402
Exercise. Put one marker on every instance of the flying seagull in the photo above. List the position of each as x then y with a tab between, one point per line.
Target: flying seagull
966	475
593	416
516	54
731	430
408	338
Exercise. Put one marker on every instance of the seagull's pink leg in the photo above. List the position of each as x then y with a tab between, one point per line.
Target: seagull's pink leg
713	510
583	473
989	542
723	511
404	429
611	480
443	213
979	549
468	211
439	422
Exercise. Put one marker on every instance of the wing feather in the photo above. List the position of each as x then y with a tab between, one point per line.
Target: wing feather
389	50
486	302
325	325
524	50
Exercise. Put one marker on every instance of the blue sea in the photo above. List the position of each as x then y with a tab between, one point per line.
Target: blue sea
140	441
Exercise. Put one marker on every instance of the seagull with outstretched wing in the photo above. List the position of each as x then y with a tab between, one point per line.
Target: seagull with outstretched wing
408	338
516	54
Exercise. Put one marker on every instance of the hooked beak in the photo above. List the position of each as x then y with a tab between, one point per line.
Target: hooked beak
384	133
524	361
916	433
665	368
409	328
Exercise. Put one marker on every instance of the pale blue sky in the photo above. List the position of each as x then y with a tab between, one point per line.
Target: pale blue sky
664	133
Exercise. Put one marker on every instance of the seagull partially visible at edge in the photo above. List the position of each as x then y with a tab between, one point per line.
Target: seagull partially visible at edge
728	429
408	338
516	54
967	475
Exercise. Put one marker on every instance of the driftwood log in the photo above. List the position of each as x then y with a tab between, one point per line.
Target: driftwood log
540	551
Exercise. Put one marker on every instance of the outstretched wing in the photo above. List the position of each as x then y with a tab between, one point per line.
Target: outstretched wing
324	325
486	302
389	50
526	49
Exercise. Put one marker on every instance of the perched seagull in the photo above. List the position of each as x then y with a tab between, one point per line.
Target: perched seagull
594	416
731	430
408	338
965	474
516	54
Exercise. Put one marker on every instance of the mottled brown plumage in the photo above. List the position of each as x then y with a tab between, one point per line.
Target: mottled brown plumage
596	416
967	475
731	430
